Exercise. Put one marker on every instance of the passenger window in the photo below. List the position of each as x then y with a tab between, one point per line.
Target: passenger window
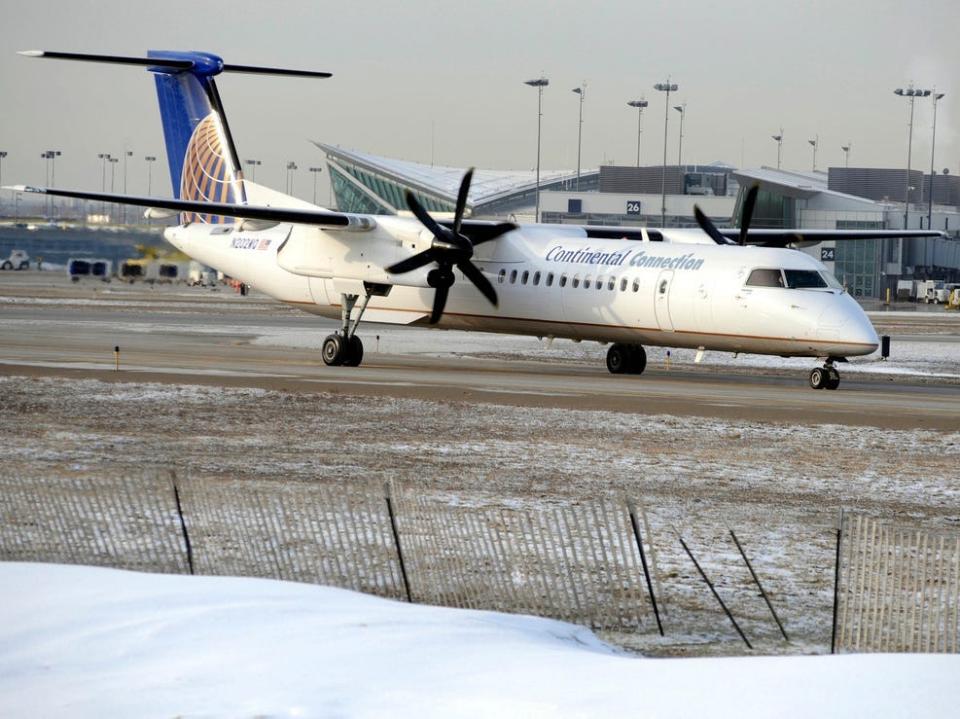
623	284
536	278
765	278
513	276
586	282
612	284
636	285
576	281
501	276
525	277
549	279
563	280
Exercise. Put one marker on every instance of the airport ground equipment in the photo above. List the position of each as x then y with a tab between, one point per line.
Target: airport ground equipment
18	260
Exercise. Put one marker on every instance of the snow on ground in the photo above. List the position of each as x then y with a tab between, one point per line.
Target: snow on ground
84	642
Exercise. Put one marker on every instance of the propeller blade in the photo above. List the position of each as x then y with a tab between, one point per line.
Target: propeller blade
706	224
746	216
479	235
479	279
412	263
439	302
431	224
462	199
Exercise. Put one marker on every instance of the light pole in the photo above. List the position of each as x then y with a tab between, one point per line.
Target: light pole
682	109
291	166
666	87
316	171
104	159
846	154
253	168
779	139
150	159
581	91
814	143
539	83
933	151
50	160
912	94
113	176
639	104
126	154
3	154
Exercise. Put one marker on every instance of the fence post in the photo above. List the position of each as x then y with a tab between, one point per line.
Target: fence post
183	524
836	585
756	580
396	541
643	563
716	596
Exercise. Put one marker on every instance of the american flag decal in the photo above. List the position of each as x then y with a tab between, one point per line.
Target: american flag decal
207	172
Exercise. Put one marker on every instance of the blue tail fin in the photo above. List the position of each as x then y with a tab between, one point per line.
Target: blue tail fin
200	150
204	165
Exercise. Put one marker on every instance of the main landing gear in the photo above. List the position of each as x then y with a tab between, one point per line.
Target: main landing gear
344	348
825	377
626	359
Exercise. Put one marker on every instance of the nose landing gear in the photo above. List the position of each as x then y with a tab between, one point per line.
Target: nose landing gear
344	349
826	377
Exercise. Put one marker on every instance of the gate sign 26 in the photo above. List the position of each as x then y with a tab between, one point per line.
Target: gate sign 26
633	207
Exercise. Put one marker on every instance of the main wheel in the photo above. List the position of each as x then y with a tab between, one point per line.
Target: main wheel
354	352
24	266
833	379
818	378
8	265
333	351
638	359
618	359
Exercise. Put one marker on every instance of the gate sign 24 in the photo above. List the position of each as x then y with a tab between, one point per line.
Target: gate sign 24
827	254
633	207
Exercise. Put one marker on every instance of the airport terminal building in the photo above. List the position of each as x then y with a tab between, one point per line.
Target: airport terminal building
842	198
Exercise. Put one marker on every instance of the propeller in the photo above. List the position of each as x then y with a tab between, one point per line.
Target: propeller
746	217
450	248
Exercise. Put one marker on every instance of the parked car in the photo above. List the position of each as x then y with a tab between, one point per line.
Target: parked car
18	260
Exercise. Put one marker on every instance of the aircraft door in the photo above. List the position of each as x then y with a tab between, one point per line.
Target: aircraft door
661	300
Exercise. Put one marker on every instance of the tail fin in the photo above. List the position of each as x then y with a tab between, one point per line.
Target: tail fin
204	165
203	158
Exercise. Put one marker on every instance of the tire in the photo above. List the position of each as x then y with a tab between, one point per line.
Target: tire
333	351
7	265
818	378
24	266
618	359
833	380
638	359
354	353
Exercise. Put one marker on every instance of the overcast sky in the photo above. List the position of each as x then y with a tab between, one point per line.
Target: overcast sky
413	75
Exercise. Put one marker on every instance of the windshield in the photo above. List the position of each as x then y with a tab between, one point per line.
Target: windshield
804	279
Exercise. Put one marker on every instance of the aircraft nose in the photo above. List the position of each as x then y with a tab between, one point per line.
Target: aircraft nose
846	323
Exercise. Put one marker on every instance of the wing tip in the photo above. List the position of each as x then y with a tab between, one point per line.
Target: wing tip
31	53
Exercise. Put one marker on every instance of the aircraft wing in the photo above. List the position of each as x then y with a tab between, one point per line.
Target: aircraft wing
782	238
317	218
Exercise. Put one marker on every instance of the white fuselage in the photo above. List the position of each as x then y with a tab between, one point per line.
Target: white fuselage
553	281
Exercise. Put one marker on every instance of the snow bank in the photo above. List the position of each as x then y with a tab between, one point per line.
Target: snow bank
84	642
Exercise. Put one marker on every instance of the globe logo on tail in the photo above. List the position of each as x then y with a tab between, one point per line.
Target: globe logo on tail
207	172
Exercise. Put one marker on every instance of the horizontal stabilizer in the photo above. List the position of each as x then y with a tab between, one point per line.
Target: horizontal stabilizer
173	64
317	218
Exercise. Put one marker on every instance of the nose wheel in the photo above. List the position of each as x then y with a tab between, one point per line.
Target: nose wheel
826	377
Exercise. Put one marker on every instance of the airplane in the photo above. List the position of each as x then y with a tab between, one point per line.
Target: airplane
731	290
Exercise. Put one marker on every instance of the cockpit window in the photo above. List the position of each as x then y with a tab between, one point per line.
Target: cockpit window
804	279
832	282
765	278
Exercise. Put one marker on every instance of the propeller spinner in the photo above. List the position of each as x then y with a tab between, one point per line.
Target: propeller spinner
449	249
